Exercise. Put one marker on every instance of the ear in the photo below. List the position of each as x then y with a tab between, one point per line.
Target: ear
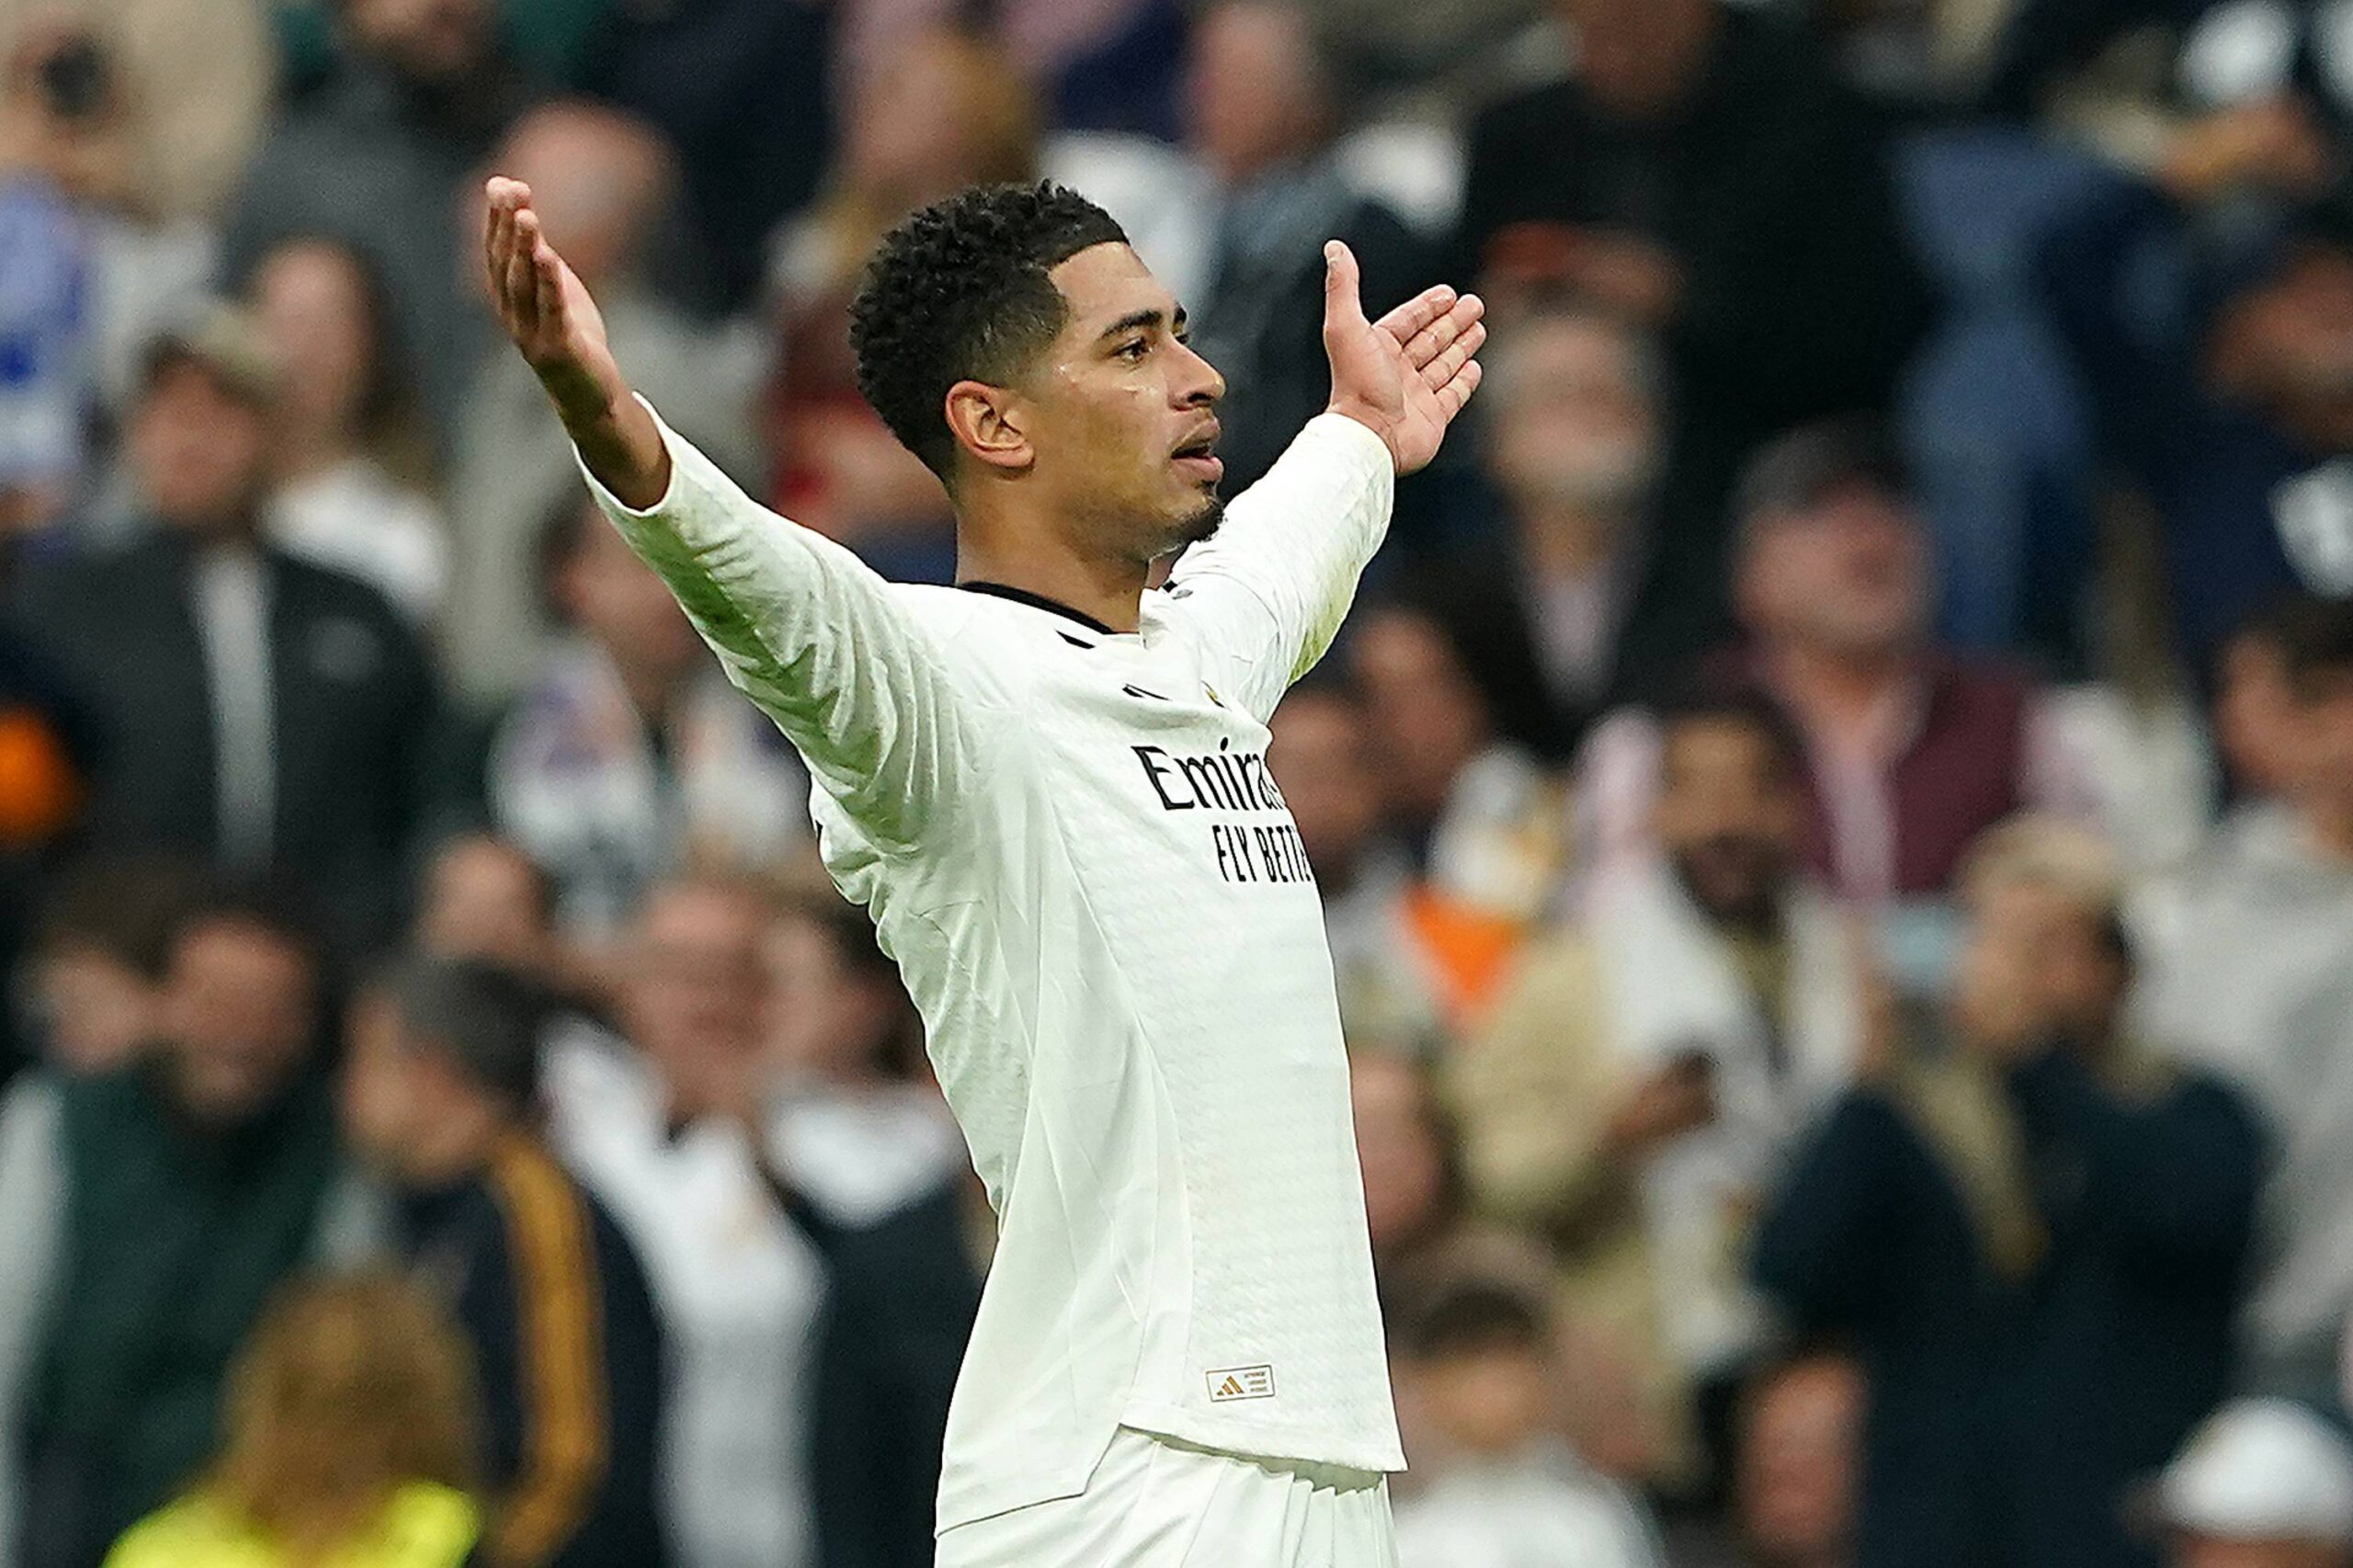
990	424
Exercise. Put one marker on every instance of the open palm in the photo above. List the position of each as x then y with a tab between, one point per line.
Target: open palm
1407	375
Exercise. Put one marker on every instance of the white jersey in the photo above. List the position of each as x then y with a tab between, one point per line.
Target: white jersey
1070	843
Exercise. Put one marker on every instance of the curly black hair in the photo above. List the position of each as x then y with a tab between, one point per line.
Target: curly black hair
959	291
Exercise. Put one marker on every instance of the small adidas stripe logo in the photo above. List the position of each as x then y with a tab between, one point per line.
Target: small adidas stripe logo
1229	1383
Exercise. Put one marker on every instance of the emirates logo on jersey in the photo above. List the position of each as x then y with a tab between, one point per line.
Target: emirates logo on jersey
1230	1383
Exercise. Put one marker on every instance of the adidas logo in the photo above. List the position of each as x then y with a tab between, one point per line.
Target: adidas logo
1230	1383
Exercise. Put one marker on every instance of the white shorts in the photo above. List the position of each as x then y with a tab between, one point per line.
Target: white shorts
1157	1503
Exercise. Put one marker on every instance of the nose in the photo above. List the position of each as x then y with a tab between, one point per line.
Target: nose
1197	383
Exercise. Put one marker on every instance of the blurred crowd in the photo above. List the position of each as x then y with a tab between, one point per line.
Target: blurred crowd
1834	808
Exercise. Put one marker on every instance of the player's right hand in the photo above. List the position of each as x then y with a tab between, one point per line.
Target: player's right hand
545	307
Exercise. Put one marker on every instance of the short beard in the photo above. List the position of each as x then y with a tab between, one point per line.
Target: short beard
1200	526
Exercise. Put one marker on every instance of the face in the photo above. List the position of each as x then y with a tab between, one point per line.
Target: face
1577	427
1798	1458
238	1019
1639	58
822	1015
617	602
930	122
1428	720
100	1010
1490	1403
2254	715
1254	98
2289	347
1848	576
435	41
1729	817
483	899
2319	760
1398	1147
198	451
1115	423
2205	1551
1322	760
693	999
383	1096
312	303
2024	935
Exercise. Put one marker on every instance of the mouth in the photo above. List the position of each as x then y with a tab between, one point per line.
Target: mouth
1198	455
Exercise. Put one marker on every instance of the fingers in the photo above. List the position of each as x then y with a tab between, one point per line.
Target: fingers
1434	339
548	285
1457	392
1342	302
522	281
1416	313
1451	363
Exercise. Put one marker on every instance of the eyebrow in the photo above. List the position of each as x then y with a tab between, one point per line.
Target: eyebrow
1150	317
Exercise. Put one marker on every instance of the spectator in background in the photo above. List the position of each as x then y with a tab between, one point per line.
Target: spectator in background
1475	1353
1800	1454
438	1097
1263	114
1553	614
2035	1237
854	1120
101	951
348	1439
1911	752
1411	1153
2258	984
1703	173
1643	1081
352	453
1107	65
601	183
376	156
47	749
254	708
147	1214
484	898
946	111
629	757
1481	821
664	1127
2264	1483
1323	761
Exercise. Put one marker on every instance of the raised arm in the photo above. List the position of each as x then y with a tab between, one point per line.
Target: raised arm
800	625
1274	584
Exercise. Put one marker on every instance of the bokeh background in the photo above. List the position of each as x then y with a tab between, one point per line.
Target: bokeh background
1834	808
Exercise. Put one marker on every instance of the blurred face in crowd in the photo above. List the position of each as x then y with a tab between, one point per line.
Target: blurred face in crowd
1577	427
942	112
484	899
1490	1401
2207	1551
697	978
1428	719
406	1106
825	1016
1641	59
1845	577
2287	347
2255	714
598	179
2319	767
97	1011
1400	1144
1797	1459
1254	92
1728	816
239	1018
1322	760
311	300
436	43
2034	947
199	451
618	603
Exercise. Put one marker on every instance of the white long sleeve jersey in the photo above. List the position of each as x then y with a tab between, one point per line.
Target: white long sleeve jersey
1070	843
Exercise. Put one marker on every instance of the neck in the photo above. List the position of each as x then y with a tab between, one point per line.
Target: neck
1562	539
1105	588
459	1145
1839	694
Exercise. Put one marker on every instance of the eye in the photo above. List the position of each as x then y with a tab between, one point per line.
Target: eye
1133	350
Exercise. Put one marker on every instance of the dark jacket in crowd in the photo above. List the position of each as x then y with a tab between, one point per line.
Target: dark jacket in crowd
2013	1409
899	1309
167	1245
1801	298
47	749
357	728
569	1356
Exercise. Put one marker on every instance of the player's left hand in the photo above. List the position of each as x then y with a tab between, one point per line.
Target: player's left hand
1407	375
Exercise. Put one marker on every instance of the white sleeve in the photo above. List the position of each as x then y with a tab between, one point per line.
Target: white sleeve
1270	590
814	636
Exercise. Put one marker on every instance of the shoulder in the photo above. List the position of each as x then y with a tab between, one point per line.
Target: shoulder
195	1532
430	1525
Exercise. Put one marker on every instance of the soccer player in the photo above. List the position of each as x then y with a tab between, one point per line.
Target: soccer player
1048	786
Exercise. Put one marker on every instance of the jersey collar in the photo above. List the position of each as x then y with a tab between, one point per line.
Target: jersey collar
1039	601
